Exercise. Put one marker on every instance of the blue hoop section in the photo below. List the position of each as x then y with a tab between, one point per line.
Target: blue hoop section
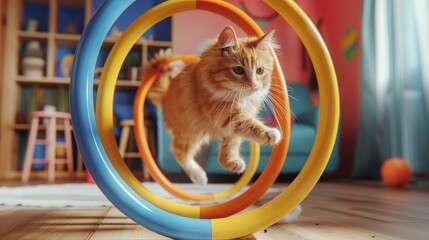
148	215
95	157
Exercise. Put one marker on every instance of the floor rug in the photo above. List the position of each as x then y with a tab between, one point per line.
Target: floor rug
84	194
89	195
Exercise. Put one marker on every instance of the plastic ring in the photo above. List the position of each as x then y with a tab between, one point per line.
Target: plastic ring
150	162
104	116
160	221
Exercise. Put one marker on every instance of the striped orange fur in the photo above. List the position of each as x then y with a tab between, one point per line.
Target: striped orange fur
219	97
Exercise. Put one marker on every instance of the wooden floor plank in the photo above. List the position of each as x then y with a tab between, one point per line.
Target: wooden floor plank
333	210
15	218
335	225
70	223
117	226
375	215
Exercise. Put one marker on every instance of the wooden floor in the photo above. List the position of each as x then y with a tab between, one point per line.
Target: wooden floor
334	210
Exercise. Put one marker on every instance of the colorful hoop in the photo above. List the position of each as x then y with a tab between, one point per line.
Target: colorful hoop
139	132
139	209
104	117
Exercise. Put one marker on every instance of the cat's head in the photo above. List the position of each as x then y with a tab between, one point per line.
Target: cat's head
244	64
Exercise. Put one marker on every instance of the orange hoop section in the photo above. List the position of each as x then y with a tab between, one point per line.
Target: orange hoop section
155	172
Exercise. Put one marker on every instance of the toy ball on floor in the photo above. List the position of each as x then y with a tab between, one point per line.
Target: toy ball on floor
396	172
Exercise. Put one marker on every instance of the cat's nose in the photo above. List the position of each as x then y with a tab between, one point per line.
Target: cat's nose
252	85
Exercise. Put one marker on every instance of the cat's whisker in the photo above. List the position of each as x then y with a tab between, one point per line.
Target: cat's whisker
241	100
282	111
280	99
270	105
232	104
224	105
276	79
280	90
280	87
279	126
288	88
293	98
223	100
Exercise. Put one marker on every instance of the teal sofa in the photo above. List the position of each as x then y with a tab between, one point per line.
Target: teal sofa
304	127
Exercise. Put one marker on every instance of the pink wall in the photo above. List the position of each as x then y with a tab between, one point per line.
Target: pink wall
341	16
199	26
191	28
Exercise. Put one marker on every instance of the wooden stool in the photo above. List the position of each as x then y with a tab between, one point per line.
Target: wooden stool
123	144
50	141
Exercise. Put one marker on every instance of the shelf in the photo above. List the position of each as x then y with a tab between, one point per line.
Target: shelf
26	35
152	43
110	41
70	40
57	81
60	24
60	38
74	3
123	83
49	81
38	1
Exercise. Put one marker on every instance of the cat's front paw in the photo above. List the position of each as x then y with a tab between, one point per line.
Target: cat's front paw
236	165
273	136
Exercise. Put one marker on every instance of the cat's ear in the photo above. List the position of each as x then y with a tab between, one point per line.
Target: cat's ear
266	41
227	39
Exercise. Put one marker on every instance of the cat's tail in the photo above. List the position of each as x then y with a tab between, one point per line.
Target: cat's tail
159	89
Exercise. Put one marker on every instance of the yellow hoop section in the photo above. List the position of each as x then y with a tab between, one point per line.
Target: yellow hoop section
325	136
139	132
249	222
104	114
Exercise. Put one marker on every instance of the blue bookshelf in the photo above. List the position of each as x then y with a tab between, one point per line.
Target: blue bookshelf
59	25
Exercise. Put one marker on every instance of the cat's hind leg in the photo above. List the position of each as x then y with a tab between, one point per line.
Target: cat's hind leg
184	150
229	155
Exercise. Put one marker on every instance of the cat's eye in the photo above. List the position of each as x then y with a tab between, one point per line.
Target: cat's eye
260	70
238	70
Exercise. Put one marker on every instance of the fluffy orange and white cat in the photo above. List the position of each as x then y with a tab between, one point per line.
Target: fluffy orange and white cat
219	97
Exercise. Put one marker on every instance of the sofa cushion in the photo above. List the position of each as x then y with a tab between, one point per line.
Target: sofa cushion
301	142
302	138
299	98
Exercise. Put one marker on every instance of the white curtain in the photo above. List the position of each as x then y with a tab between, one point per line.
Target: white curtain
394	86
422	16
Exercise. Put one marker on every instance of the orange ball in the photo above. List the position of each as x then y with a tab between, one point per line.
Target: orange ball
396	172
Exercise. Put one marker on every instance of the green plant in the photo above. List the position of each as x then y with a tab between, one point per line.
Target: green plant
131	61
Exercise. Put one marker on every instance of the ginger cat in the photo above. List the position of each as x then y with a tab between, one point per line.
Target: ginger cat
219	97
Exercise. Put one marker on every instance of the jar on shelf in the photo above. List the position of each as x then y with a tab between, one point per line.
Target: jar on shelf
33	63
